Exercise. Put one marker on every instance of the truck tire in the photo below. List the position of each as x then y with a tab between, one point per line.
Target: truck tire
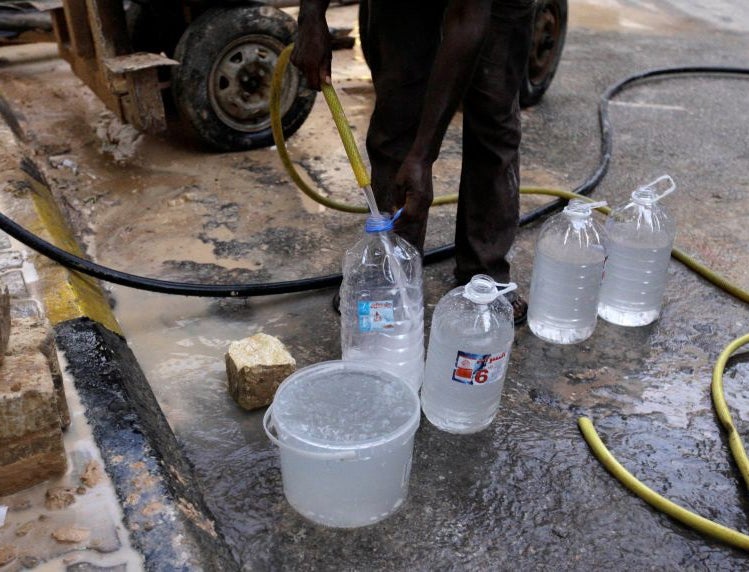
222	83
549	31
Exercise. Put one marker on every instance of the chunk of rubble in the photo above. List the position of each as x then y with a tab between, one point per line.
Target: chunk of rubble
93	474
71	534
31	444
7	555
255	367
58	498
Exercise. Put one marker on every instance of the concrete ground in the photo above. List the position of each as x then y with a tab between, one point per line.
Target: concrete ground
526	492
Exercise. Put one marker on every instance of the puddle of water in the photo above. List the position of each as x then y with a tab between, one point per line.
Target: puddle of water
29	524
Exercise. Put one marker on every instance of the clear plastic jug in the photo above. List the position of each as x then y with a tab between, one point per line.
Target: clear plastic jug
567	273
640	236
382	303
469	349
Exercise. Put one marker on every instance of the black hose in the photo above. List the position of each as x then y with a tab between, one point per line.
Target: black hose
85	266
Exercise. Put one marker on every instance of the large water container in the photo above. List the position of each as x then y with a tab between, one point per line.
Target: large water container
345	431
469	349
382	303
640	236
567	273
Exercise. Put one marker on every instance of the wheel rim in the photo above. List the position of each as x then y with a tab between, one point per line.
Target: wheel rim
240	81
547	28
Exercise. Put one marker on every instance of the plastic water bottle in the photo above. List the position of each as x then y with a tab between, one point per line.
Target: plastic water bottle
469	348
640	235
567	273
382	303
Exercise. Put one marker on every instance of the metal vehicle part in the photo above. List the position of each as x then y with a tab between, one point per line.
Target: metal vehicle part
547	42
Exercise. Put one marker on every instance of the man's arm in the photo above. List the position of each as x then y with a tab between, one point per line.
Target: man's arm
465	26
312	50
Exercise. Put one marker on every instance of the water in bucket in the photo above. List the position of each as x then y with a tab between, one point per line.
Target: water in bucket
345	431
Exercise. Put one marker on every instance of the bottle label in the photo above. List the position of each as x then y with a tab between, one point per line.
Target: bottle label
375	316
479	369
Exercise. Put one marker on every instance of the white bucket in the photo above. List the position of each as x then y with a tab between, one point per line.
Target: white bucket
345	431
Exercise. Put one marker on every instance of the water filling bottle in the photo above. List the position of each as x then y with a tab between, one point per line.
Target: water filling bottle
567	272
382	304
469	348
640	235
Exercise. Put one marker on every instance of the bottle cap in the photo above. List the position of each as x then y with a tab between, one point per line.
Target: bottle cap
483	289
646	195
381	222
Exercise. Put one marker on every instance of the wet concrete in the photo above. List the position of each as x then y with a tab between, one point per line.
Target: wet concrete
526	492
163	508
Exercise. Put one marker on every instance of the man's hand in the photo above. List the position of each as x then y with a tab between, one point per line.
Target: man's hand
413	189
312	52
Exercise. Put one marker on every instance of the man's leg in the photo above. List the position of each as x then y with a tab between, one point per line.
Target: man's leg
399	40
488	207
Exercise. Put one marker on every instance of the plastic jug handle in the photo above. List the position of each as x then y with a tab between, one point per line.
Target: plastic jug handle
654	184
584	208
269	431
505	288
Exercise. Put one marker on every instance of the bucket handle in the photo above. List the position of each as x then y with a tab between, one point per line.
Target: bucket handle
269	431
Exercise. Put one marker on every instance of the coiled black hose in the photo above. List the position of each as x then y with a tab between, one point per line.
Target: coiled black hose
112	275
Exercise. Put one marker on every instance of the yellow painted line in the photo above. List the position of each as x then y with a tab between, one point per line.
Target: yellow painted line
67	294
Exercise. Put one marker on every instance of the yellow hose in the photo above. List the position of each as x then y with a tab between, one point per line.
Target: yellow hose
721	408
695	521
344	130
347	137
688	518
362	177
277	128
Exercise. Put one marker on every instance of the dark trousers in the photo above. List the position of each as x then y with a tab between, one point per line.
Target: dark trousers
400	39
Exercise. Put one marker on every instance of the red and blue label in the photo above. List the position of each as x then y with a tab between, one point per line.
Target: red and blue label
479	369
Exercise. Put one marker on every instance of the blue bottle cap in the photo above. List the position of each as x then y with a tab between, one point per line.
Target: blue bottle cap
381	222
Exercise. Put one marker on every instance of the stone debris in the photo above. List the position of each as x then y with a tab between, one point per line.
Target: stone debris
93	474
25	528
33	408
19	504
3	512
7	555
58	498
31	335
189	510
153	508
255	367
63	162
71	534
120	140
86	567
29	562
31	443
14	282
